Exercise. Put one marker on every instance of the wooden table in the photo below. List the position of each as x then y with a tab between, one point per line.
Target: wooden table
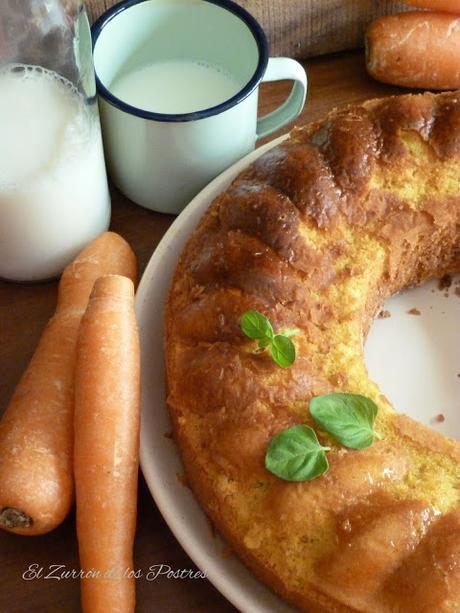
24	310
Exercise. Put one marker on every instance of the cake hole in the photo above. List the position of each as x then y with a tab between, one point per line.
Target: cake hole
416	360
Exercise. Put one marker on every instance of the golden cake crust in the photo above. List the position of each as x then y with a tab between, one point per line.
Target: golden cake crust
316	234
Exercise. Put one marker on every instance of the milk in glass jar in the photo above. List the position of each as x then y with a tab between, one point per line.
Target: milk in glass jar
54	196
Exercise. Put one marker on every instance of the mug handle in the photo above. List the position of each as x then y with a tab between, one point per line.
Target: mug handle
279	69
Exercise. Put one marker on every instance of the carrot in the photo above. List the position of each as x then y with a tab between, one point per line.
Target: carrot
106	455
415	49
450	6
36	431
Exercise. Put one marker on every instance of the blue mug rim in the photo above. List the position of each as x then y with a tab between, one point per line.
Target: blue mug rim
243	14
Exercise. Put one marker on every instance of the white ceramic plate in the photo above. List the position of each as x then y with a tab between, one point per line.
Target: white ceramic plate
414	358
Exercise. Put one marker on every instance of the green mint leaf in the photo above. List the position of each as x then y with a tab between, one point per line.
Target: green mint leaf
296	454
349	418
283	351
256	326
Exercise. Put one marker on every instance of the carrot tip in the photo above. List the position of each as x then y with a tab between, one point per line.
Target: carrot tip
14	518
113	285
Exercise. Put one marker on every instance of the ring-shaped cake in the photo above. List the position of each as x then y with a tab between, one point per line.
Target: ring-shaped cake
316	234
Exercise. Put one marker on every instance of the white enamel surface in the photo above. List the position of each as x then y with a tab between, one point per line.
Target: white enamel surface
280	68
159	456
161	165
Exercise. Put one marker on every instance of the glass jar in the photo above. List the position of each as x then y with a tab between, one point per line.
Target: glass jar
54	196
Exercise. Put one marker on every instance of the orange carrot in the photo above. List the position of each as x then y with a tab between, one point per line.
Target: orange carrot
415	49
450	6
106	455
36	431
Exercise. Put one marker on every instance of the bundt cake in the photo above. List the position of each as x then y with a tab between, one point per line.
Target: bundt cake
315	235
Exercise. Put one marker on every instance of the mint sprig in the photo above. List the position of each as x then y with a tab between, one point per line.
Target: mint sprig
257	326
295	454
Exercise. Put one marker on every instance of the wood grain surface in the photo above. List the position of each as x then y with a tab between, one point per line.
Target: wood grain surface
304	28
24	310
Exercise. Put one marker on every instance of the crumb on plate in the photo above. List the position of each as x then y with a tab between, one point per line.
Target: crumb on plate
445	282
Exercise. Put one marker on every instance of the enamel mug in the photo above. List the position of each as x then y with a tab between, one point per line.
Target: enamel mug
160	160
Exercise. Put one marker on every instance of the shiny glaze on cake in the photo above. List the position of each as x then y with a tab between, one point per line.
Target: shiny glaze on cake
316	234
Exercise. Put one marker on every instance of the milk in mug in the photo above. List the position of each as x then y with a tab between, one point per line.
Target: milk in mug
53	187
175	86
